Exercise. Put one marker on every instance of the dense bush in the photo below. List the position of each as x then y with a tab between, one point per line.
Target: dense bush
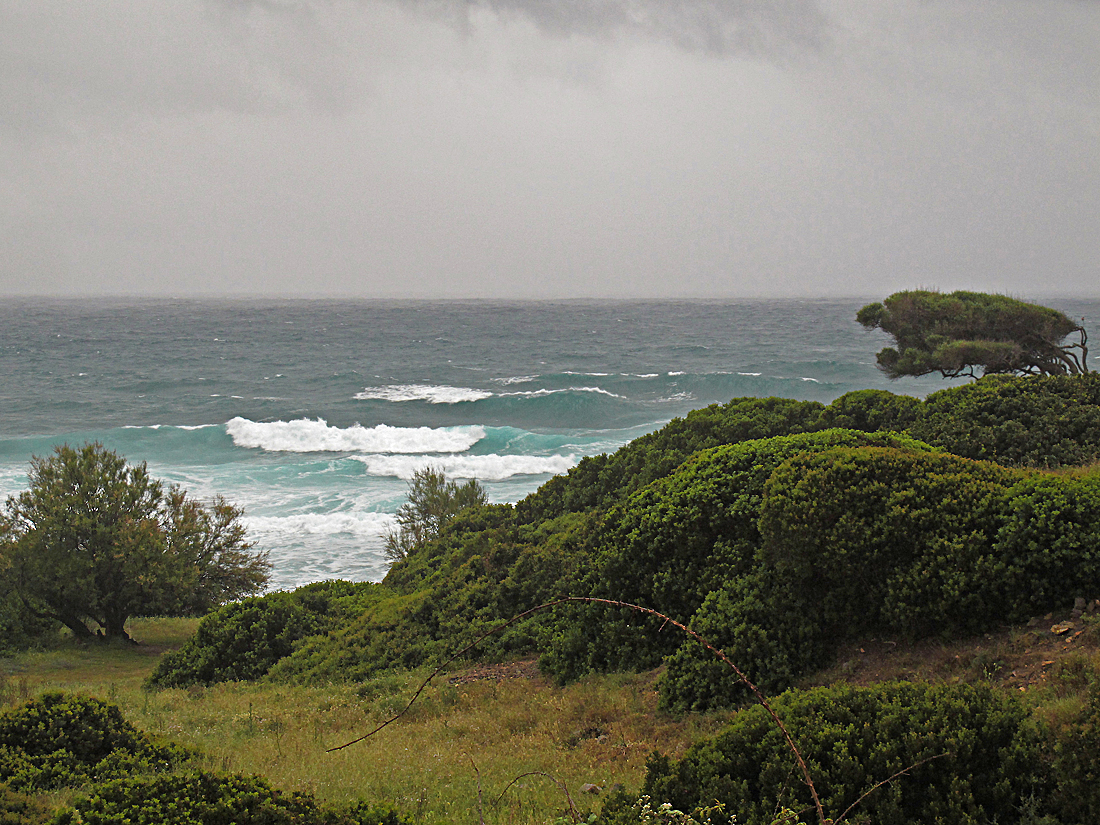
674	542
483	568
983	757
872	539
872	411
62	739
210	799
1024	422
601	481
1077	764
241	641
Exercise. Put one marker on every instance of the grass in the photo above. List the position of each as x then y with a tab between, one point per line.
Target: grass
474	731
471	732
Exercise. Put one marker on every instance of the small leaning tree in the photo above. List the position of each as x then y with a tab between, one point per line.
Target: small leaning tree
432	502
958	333
97	540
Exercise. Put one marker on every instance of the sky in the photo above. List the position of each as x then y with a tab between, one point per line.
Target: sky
549	148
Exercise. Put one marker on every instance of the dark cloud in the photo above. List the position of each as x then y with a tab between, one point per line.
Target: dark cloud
523	148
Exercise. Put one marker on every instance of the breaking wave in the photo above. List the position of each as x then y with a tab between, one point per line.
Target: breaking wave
315	435
488	467
422	392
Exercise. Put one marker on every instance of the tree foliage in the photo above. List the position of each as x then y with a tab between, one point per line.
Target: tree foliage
432	502
957	333
97	540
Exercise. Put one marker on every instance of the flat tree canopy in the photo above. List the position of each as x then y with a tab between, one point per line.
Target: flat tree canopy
957	333
97	540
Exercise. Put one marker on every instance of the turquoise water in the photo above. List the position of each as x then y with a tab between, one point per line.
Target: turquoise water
313	414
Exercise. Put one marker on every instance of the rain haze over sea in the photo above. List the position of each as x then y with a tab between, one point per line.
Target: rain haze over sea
313	414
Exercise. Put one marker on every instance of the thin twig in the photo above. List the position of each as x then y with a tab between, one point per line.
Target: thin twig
572	808
878	785
480	809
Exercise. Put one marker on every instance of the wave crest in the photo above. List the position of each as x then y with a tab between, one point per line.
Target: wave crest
488	467
422	392
306	435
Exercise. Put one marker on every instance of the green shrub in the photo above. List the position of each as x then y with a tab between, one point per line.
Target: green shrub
242	640
859	540
674	542
983	757
454	589
61	739
872	411
598	482
23	809
1023	422
1076	763
210	799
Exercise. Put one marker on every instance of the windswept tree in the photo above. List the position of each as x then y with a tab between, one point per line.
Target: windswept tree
431	503
95	540
961	333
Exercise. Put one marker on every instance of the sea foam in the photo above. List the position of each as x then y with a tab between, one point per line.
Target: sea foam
488	467
422	392
305	435
362	525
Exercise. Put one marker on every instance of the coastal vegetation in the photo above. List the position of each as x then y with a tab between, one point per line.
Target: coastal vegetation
957	333
783	532
898	574
95	541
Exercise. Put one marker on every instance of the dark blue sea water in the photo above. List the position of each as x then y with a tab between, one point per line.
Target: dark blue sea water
313	414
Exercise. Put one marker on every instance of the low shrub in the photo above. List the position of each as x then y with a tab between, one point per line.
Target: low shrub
972	755
674	542
598	482
242	640
210	799
1045	422
61	739
858	540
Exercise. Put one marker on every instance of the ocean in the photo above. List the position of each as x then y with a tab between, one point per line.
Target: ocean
313	414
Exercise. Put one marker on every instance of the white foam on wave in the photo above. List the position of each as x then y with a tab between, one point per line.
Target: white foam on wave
518	379
488	467
422	392
305	435
168	426
541	393
361	525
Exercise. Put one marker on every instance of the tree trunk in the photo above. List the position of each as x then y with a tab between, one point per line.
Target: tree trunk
114	625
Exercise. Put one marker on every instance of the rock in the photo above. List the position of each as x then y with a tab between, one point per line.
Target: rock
1062	627
1034	621
590	788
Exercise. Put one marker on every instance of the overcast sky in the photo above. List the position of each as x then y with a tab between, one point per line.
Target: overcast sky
549	148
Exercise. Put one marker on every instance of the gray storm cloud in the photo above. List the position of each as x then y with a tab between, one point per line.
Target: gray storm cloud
549	149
